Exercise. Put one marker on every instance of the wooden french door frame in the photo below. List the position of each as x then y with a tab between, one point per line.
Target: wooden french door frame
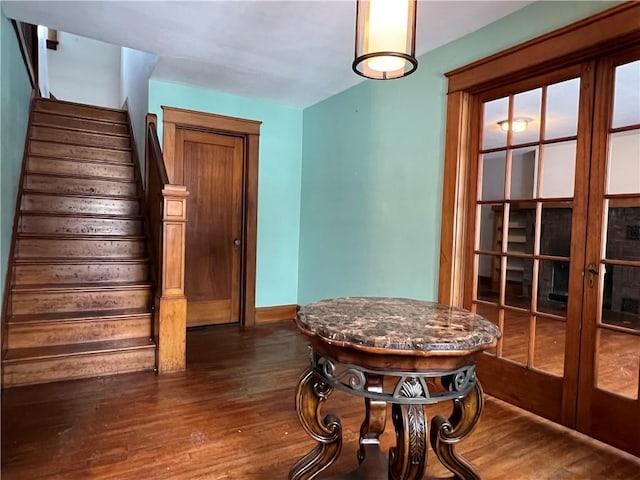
249	131
551	396
609	31
594	413
612	29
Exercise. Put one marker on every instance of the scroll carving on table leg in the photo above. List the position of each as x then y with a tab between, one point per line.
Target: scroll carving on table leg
312	391
446	433
408	458
375	417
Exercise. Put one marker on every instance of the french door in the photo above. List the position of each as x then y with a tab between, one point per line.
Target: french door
555	182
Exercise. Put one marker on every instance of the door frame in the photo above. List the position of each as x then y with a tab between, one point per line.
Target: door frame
611	30
249	130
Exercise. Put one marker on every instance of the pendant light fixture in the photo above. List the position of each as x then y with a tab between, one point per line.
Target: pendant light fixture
385	38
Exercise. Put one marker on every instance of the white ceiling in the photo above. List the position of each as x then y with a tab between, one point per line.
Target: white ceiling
295	53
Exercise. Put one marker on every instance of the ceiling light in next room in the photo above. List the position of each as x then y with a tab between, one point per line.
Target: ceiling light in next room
519	125
385	38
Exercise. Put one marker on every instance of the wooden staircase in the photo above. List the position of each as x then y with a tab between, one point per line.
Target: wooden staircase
80	297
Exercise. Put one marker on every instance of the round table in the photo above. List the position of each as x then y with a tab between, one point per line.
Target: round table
403	352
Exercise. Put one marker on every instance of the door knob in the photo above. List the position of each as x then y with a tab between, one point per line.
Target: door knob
237	242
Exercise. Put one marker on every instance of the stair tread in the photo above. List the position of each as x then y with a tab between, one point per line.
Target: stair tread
79	316
79	160
81	215
79	236
52	287
91	112
77	104
80	130
100	196
84	177
40	353
77	144
78	260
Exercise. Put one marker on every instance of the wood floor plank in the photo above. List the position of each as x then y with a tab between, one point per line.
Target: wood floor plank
231	415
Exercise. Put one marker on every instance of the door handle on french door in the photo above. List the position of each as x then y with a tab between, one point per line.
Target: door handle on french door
592	270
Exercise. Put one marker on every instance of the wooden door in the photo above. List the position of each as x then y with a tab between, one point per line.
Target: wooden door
211	166
528	251
556	254
608	400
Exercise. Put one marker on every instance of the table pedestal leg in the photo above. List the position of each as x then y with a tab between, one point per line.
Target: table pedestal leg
374	420
311	392
408	458
446	433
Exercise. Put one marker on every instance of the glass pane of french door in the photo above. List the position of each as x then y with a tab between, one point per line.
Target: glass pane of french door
609	401
524	256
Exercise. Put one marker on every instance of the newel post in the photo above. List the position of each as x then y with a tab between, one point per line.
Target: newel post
171	303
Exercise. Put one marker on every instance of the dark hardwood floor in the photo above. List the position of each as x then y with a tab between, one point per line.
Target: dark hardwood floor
231	416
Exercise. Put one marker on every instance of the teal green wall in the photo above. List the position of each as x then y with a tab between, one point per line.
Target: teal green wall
278	180
372	168
15	95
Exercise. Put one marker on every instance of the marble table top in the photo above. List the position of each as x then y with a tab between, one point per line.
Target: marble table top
398	324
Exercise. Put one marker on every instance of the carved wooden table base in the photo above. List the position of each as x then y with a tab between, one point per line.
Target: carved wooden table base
403	352
412	390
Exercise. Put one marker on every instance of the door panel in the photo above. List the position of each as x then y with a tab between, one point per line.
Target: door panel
556	255
528	269
608	401
211	166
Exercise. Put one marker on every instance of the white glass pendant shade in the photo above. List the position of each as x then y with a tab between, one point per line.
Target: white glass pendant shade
385	38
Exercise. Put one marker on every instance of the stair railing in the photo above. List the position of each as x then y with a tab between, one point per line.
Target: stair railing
167	214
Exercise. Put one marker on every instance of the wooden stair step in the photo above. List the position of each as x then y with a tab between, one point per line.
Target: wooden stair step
80	152
73	349
95	246
80	168
47	223
65	271
79	204
80	124
30	331
45	298
75	137
81	111
50	183
82	360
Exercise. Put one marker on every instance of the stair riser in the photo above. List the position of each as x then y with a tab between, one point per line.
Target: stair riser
81	273
79	123
76	151
74	367
79	186
73	248
23	303
80	111
49	134
58	332
32	202
83	226
89	169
